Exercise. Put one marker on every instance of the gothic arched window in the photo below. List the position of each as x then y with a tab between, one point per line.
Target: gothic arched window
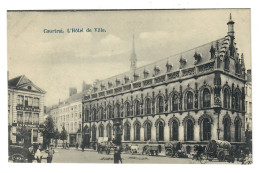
127	109
189	130
237	101
160	131
238	130
160	104
206	129
86	115
94	115
226	124
101	131
127	132
189	100
206	98
137	132
148	106
117	110
174	102
94	136
101	112
109	112
137	107
109	132
226	98
174	131
147	131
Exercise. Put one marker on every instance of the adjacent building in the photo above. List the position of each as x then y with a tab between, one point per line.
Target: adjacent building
193	96
25	110
68	114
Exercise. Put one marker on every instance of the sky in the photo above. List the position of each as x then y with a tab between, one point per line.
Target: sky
57	61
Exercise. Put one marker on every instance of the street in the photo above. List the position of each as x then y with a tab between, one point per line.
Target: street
90	156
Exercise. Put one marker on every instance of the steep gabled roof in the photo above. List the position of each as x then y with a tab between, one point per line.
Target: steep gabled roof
220	46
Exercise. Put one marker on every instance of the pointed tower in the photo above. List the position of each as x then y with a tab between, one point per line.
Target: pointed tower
133	58
230	24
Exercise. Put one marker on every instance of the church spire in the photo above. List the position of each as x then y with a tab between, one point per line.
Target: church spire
231	26
133	58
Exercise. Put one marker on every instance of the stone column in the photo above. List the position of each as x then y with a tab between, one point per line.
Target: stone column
153	135
132	133
214	132
141	133
181	133
166	133
196	132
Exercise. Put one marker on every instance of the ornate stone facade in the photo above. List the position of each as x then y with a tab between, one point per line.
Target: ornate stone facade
193	96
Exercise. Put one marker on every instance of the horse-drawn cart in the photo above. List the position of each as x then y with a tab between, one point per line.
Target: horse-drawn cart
216	149
151	149
175	149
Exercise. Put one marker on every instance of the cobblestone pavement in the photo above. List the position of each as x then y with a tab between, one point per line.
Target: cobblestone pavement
90	156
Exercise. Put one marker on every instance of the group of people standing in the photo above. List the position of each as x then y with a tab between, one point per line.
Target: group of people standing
36	154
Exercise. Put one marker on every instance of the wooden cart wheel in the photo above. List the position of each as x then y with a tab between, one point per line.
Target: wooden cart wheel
203	158
221	156
168	153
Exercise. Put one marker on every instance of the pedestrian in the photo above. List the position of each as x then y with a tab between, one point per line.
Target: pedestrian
50	155
77	146
82	147
38	155
66	144
30	155
117	155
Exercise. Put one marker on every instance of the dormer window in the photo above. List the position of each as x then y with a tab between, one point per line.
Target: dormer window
117	82
197	57
109	84
136	76
168	66
156	70
182	62
102	87
126	79
146	74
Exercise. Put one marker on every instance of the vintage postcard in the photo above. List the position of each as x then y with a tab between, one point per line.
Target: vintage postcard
130	86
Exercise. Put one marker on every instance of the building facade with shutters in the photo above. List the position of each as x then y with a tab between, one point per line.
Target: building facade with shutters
25	110
194	96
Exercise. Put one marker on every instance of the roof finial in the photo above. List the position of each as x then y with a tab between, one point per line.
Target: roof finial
133	58
230	16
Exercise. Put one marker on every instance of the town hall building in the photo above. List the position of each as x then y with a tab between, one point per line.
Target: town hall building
194	96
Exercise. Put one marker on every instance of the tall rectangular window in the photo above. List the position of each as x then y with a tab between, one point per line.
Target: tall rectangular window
36	118
30	101
36	102
28	118
35	135
25	101
20	100
19	117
